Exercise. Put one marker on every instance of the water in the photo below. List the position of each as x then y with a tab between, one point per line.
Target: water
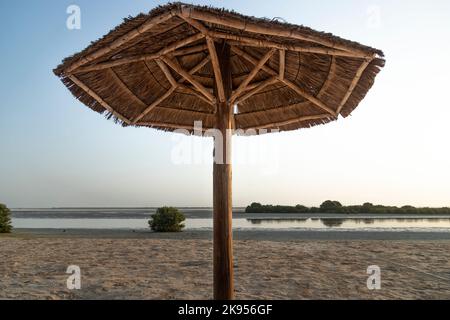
311	223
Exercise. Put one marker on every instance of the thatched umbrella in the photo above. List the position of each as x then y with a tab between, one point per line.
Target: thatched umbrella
181	64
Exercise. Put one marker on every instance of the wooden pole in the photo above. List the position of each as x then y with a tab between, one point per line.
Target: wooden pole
222	190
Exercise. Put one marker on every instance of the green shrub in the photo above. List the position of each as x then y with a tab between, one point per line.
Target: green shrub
331	207
167	219
5	219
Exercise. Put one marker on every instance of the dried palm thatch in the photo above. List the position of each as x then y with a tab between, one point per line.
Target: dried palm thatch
160	69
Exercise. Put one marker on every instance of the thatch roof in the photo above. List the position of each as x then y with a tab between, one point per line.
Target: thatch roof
156	70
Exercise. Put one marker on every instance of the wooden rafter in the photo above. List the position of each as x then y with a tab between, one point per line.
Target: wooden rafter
353	85
167	73
252	74
143	57
282	64
288	83
290	121
174	86
196	24
258	28
216	68
180	84
95	96
154	105
252	42
176	67
122	40
255	90
189	90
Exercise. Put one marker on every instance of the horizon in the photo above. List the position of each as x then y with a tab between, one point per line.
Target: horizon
59	154
210	207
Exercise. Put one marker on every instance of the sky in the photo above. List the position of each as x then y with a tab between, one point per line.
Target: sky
393	150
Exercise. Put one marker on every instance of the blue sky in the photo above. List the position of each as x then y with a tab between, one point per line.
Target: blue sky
393	150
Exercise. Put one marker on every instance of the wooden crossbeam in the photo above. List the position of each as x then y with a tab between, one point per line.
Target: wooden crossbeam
154	105
258	88
257	28
142	57
282	63
94	95
182	87
123	39
167	73
176	67
288	83
216	68
234	39
252	74
353	85
196	24
175	85
180	84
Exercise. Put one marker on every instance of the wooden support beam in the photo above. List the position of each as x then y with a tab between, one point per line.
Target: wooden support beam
353	85
236	40
290	121
196	24
309	97
282	63
122	40
95	96
222	188
252	74
216	68
253	60
258	28
142	57
182	87
288	83
167	73
176	67
263	43
258	88
201	64
154	105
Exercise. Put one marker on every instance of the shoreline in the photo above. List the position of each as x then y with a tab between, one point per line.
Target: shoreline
263	235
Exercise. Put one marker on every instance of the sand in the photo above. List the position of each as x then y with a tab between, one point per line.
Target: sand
33	267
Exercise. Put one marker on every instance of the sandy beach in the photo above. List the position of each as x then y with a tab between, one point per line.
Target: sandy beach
117	266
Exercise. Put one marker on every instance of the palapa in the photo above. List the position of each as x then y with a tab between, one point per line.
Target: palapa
182	64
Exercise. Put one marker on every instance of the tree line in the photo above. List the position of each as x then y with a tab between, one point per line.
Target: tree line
330	206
